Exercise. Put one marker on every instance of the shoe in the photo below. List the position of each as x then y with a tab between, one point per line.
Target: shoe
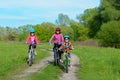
27	61
35	53
61	61
71	65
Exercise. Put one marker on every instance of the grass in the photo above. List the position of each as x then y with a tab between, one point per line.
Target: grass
51	72
98	63
13	55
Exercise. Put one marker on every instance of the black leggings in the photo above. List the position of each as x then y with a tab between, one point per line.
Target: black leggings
60	52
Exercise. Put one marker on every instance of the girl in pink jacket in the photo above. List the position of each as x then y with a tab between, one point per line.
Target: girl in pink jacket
32	40
58	39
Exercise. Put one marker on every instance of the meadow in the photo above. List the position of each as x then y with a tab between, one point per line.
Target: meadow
96	63
13	57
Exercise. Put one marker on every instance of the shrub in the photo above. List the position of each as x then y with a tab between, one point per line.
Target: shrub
109	34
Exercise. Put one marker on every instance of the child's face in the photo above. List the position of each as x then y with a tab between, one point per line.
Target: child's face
57	32
32	34
66	40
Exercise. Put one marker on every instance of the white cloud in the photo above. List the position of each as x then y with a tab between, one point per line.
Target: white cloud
48	3
13	17
35	11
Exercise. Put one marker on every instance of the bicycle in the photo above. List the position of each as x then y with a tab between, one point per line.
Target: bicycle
66	62
56	56
31	55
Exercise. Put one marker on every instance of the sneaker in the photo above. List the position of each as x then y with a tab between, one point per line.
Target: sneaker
71	65
61	61
27	61
35	53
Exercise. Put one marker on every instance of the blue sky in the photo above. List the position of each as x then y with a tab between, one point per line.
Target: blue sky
16	13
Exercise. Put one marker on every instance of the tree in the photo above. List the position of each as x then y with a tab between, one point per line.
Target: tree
109	34
44	31
63	20
74	25
92	20
82	33
110	10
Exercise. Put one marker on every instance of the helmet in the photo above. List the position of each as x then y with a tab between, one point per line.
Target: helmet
58	29
32	30
66	36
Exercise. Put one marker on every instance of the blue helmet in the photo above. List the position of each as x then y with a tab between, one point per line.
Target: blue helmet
66	36
32	30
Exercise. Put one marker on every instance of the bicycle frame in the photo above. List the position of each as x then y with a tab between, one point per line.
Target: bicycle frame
56	56
31	55
66	62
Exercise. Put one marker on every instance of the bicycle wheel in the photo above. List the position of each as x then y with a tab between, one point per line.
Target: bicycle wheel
55	59
30	59
66	63
31	56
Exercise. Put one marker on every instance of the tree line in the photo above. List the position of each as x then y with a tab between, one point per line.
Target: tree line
101	23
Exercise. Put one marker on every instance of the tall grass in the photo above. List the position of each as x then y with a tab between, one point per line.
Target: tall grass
98	63
13	55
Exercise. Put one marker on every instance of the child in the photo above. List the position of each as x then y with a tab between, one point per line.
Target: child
58	39
32	40
67	46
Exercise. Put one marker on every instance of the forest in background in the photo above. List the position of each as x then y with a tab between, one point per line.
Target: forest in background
100	23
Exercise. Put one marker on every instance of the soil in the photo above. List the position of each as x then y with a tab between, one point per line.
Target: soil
72	73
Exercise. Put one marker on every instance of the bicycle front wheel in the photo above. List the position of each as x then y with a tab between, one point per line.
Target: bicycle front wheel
66	64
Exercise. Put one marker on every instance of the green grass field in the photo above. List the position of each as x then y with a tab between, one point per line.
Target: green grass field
98	63
95	63
13	56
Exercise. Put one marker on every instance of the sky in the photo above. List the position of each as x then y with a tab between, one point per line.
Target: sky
15	13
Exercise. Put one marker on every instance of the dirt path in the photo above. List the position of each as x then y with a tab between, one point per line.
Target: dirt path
35	67
72	75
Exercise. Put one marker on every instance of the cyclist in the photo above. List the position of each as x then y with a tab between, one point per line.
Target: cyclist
58	39
32	40
67	46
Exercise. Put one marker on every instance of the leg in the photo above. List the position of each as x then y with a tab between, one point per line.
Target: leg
35	49
29	52
69	59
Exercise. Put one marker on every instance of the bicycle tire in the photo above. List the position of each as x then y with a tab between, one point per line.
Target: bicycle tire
31	58
66	67
66	62
56	58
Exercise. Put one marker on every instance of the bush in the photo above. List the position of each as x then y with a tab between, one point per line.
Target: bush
109	34
83	33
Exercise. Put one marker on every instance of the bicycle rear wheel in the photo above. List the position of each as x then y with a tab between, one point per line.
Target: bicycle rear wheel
31	58
56	59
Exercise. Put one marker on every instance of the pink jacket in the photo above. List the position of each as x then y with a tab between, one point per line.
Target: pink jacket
58	38
32	39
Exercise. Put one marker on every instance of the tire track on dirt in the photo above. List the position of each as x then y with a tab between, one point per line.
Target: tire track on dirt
40	65
72	74
35	67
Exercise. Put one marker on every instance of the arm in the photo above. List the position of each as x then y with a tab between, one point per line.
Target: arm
27	40
71	46
36	39
51	38
62	47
